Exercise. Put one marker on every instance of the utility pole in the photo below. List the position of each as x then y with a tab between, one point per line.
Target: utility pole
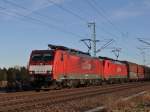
93	26
91	43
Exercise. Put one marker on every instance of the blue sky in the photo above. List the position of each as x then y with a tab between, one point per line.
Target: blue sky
26	25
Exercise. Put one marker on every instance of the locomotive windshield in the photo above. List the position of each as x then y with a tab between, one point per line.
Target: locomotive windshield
42	57
47	57
36	57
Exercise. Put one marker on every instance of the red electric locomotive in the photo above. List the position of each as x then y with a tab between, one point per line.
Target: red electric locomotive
114	70
64	66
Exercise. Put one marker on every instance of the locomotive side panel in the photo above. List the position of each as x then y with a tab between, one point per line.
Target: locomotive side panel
58	66
114	70
73	66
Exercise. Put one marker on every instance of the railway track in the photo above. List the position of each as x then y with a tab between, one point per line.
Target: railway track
23	95
44	99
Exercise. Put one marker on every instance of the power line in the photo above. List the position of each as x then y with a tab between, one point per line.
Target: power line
109	33
39	21
99	12
77	16
107	17
68	11
24	8
144	41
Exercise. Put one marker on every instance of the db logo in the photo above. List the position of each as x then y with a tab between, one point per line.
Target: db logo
86	66
118	69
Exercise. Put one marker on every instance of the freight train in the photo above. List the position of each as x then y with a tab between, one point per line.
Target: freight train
67	67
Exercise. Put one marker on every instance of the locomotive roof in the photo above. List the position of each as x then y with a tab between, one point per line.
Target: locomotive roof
128	62
56	47
107	58
39	51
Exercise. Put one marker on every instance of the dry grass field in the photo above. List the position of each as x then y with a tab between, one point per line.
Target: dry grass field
138	104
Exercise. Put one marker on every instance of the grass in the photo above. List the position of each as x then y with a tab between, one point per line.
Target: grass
138	104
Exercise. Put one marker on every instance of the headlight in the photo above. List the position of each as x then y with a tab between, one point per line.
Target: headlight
32	72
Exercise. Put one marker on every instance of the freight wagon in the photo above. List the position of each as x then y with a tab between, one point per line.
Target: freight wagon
146	73
140	72
114	71
132	69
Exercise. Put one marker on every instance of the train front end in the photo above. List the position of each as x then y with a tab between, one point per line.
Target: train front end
40	68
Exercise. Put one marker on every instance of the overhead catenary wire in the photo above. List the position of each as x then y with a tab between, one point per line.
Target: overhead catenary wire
61	7
144	41
106	31
38	21
68	11
109	33
109	19
101	12
27	9
78	16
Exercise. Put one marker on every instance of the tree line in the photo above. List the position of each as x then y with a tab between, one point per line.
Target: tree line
14	74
